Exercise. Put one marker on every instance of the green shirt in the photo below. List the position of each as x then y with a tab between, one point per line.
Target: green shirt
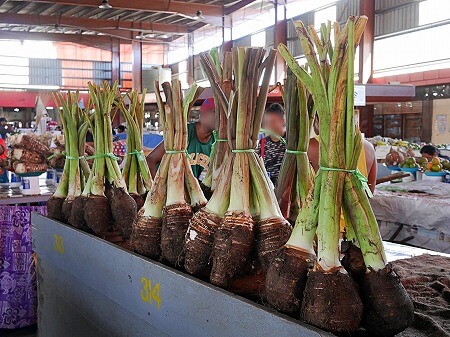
198	152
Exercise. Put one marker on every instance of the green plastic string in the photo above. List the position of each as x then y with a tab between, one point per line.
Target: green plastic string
243	151
139	154
216	140
270	133
361	178
295	151
104	155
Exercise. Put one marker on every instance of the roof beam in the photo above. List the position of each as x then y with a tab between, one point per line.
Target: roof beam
185	8
101	42
238	5
102	25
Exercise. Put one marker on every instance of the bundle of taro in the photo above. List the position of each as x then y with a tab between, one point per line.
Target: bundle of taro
286	276
28	154
220	78
75	169
135	169
370	295
161	226
242	217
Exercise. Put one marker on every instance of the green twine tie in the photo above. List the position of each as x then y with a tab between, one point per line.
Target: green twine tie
243	151
103	155
216	140
295	152
270	133
139	154
361	178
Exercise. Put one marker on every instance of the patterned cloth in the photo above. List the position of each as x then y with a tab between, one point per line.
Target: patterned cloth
18	296
272	154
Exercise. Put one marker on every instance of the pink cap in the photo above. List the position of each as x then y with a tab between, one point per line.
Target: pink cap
207	105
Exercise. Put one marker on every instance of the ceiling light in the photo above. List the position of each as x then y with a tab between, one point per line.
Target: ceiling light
199	16
105	5
140	36
16	110
163	36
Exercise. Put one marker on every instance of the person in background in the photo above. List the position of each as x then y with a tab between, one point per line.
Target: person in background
431	151
367	162
121	128
200	140
4	128
272	148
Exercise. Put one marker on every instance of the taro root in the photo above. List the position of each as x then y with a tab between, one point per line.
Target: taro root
388	309
76	218
342	314
286	278
97	213
124	211
233	243
353	260
146	236
54	208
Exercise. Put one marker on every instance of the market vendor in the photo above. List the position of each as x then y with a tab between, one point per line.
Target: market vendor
272	148
367	163
430	152
200	140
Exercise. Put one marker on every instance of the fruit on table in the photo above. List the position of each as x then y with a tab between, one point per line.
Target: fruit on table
446	164
410	162
422	161
394	158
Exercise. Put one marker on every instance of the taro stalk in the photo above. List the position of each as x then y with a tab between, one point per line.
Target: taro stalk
135	169
331	299
71	181
287	274
220	77
250	193
164	218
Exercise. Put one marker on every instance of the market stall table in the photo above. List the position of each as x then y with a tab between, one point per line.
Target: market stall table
90	287
416	213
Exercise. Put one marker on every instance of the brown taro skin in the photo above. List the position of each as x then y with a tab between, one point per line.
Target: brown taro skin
67	208
54	208
271	234
199	241
233	244
286	279
97	213
124	211
76	218
138	199
174	227
353	260
146	236
331	302
388	309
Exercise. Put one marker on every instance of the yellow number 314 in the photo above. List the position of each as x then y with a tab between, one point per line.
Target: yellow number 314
149	293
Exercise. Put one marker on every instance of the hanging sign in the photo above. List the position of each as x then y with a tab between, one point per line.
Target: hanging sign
360	95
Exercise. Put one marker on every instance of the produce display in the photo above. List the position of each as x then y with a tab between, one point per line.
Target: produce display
331	298
162	223
28	154
60	205
251	220
220	77
135	169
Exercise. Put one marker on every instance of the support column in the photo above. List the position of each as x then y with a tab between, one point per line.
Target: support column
190	59
227	40
137	65
280	36
367	7
115	60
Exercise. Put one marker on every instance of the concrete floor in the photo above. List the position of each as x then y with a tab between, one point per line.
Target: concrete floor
30	331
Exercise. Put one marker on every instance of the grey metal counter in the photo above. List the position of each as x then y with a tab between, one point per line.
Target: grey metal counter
90	287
